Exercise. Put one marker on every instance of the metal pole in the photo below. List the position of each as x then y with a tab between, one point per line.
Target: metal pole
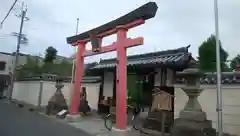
40	95
23	13
218	65
77	26
75	50
73	65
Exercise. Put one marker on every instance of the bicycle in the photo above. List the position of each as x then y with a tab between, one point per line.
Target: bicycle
110	119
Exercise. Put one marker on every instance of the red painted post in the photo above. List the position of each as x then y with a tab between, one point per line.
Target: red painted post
237	66
121	84
78	78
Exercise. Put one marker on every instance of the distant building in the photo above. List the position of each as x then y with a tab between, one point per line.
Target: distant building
7	61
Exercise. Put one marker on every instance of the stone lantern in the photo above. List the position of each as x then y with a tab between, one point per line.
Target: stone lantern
57	101
192	119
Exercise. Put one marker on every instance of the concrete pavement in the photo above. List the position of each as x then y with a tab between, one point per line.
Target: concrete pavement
99	128
15	121
97	123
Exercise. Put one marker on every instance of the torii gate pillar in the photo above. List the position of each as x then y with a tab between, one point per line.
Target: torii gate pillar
121	84
79	72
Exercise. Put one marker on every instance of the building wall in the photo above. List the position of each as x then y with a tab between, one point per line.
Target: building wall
92	94
8	67
109	80
164	78
208	99
28	92
108	84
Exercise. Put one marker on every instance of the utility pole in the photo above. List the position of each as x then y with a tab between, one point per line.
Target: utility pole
23	17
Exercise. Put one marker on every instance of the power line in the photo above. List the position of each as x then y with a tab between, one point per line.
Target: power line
9	11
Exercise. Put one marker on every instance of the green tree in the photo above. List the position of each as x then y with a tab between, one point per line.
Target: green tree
207	55
64	68
48	68
233	63
50	54
32	67
89	72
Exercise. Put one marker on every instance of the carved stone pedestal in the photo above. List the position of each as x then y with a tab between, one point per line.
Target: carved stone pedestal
57	101
183	127
192	119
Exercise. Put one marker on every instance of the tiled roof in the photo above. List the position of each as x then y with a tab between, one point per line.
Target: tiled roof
53	78
172	57
13	53
211	78
23	54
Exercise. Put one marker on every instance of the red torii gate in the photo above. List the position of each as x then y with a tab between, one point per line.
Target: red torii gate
120	27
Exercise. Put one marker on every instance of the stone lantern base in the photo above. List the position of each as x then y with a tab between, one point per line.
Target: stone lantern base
183	127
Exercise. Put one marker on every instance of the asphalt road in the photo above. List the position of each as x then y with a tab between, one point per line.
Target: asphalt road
15	121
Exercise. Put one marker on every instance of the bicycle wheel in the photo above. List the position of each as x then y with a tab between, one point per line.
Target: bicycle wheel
136	119
135	123
108	122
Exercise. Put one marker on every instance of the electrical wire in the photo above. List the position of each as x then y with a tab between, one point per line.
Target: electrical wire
14	3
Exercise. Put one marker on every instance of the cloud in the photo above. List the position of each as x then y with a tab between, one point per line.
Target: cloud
177	23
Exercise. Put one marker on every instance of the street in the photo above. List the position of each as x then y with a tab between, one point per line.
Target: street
15	121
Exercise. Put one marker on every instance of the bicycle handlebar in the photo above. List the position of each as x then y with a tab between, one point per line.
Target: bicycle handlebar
130	106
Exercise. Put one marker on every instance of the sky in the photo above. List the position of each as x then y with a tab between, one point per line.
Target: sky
177	23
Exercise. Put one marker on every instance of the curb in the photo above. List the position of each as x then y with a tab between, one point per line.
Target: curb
29	107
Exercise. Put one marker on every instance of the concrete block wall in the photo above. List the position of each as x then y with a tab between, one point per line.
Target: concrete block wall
28	92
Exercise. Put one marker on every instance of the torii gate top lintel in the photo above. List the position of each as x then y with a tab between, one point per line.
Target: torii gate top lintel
145	12
128	21
111	31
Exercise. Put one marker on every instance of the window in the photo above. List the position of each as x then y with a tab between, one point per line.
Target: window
2	65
